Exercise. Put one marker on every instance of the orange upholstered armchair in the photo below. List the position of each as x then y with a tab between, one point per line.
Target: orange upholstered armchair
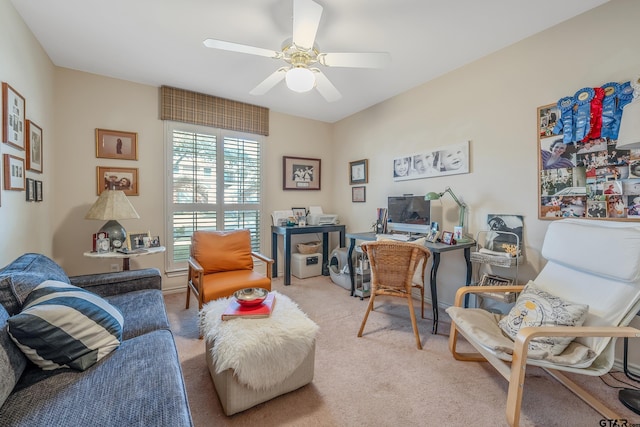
221	263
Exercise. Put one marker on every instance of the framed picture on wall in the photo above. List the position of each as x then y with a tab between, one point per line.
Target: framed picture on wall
34	147
115	144
31	190
359	172
39	195
300	173
125	179
14	178
13	116
359	194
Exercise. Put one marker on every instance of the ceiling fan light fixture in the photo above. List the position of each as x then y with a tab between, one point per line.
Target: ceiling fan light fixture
300	79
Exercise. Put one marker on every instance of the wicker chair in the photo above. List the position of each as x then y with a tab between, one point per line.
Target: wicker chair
393	265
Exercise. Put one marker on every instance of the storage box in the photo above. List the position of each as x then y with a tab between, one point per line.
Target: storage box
306	265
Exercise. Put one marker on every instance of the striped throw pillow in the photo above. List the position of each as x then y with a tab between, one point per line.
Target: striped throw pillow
64	326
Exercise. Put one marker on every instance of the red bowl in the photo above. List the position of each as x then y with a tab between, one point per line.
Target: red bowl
250	297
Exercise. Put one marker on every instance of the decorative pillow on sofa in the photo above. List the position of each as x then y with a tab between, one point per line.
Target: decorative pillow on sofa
62	325
535	307
23	274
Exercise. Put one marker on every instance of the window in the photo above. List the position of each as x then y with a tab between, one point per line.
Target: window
215	184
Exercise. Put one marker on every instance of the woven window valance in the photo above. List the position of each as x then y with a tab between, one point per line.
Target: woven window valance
196	108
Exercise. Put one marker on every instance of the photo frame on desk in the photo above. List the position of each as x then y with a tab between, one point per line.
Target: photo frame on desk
447	238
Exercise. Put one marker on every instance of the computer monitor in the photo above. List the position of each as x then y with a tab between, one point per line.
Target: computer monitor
410	214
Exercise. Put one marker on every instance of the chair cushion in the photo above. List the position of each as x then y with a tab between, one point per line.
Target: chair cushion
219	251
62	325
224	284
535	307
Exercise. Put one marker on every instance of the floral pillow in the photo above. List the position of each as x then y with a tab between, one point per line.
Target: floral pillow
535	307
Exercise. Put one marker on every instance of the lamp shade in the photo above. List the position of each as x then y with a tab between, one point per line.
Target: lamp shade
112	204
300	79
432	196
629	133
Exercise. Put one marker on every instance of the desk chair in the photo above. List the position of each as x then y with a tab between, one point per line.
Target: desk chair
393	265
590	263
221	263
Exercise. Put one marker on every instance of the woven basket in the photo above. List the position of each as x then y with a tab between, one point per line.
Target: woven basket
309	247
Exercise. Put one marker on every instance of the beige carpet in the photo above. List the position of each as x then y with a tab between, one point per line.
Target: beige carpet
381	379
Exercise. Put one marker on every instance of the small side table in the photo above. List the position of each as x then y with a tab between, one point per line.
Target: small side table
125	256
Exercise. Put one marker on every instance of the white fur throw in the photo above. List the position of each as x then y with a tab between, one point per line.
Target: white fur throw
261	352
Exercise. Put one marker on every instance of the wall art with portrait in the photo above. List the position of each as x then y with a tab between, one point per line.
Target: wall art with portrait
115	144
300	173
449	160
112	178
13	116
581	173
34	147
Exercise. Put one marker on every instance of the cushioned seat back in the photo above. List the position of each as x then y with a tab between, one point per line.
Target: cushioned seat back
12	360
218	251
595	263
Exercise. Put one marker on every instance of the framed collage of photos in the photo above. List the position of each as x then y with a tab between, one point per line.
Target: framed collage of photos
588	178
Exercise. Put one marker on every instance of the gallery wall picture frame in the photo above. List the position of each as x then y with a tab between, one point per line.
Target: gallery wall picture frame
359	172
13	117
115	178
34	147
39	191
116	144
359	194
448	160
14	173
300	173
31	190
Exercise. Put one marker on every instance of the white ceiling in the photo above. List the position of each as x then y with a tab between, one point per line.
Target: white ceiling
159	42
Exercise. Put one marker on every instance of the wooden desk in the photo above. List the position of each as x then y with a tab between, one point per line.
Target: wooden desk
288	231
125	257
436	249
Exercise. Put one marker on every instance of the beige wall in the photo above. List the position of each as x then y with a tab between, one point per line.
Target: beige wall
25	227
491	102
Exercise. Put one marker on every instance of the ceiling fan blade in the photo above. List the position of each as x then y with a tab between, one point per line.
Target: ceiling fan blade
242	48
325	87
306	18
355	60
268	83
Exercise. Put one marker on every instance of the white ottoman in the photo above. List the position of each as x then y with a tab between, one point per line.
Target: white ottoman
254	360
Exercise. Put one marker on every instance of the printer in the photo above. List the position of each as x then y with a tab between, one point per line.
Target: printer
317	217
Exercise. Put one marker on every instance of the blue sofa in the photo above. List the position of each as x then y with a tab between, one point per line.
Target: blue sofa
138	384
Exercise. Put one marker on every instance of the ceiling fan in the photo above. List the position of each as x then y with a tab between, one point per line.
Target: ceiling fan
301	54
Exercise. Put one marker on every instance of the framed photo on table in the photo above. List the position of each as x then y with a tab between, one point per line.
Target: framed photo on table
359	172
300	173
125	179
115	144
13	116
447	238
34	147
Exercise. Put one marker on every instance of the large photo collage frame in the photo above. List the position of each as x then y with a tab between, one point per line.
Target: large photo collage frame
585	179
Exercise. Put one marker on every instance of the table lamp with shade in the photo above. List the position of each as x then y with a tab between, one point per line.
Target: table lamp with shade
113	205
461	206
